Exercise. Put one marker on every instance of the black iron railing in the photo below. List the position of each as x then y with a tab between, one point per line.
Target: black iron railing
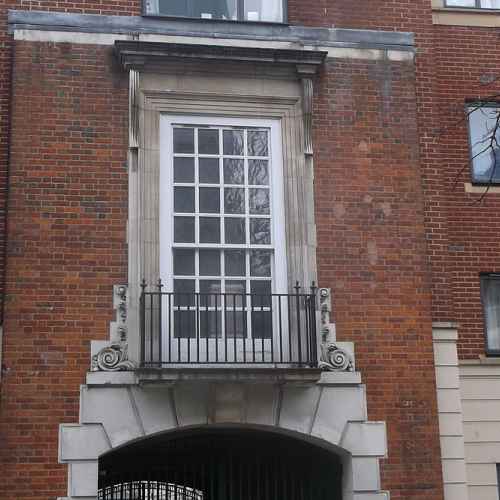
227	328
148	490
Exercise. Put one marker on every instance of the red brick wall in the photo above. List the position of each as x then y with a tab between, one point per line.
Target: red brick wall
68	208
372	252
67	233
466	59
66	249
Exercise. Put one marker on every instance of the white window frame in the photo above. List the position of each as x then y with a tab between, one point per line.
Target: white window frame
479	119
478	4
487	313
278	237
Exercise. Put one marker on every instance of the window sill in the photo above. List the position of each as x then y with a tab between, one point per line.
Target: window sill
460	16
483	359
481	188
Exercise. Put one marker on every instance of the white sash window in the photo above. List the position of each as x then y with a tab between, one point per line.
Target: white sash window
222	227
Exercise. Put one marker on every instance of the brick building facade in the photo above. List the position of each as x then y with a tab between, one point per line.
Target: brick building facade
391	230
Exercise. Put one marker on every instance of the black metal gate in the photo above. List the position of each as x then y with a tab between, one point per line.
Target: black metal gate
220	465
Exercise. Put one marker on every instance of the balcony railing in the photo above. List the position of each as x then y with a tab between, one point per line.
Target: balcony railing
227	328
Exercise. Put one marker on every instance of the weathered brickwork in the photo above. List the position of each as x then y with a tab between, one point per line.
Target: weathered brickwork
371	242
473	227
68	211
396	230
67	247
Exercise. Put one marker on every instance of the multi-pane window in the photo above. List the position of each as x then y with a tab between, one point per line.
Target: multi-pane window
232	10
490	294
484	139
224	224
474	4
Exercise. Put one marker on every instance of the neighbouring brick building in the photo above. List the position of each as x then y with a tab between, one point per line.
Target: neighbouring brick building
178	178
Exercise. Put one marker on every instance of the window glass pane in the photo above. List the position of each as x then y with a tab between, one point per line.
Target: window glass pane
261	293
208	141
236	287
184	293
260	287
183	169
210	324
260	231
203	9
234	171
264	10
490	4
209	263
184	229
255	10
460	3
184	324
234	201
257	143
183	262
262	324
236	323
235	230
209	230
258	172
210	300
259	201
235	262
233	142
260	263
209	170
485	161
183	140
237	291
211	287
209	200
184	200
491	304
214	9
169	7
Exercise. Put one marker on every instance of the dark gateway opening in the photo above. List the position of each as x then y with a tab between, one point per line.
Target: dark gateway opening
222	464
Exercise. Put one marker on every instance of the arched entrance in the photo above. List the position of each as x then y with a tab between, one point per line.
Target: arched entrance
220	464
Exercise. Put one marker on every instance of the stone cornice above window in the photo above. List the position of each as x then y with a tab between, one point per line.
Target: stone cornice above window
138	54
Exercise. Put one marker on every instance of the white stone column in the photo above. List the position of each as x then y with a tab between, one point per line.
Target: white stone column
451	427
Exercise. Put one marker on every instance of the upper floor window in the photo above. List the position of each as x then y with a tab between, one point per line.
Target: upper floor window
230	10
485	152
490	295
474	4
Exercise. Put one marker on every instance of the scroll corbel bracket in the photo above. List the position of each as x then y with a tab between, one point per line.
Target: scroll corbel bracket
113	356
306	75
333	357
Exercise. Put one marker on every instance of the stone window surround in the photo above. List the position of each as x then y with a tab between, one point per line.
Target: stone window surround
217	88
